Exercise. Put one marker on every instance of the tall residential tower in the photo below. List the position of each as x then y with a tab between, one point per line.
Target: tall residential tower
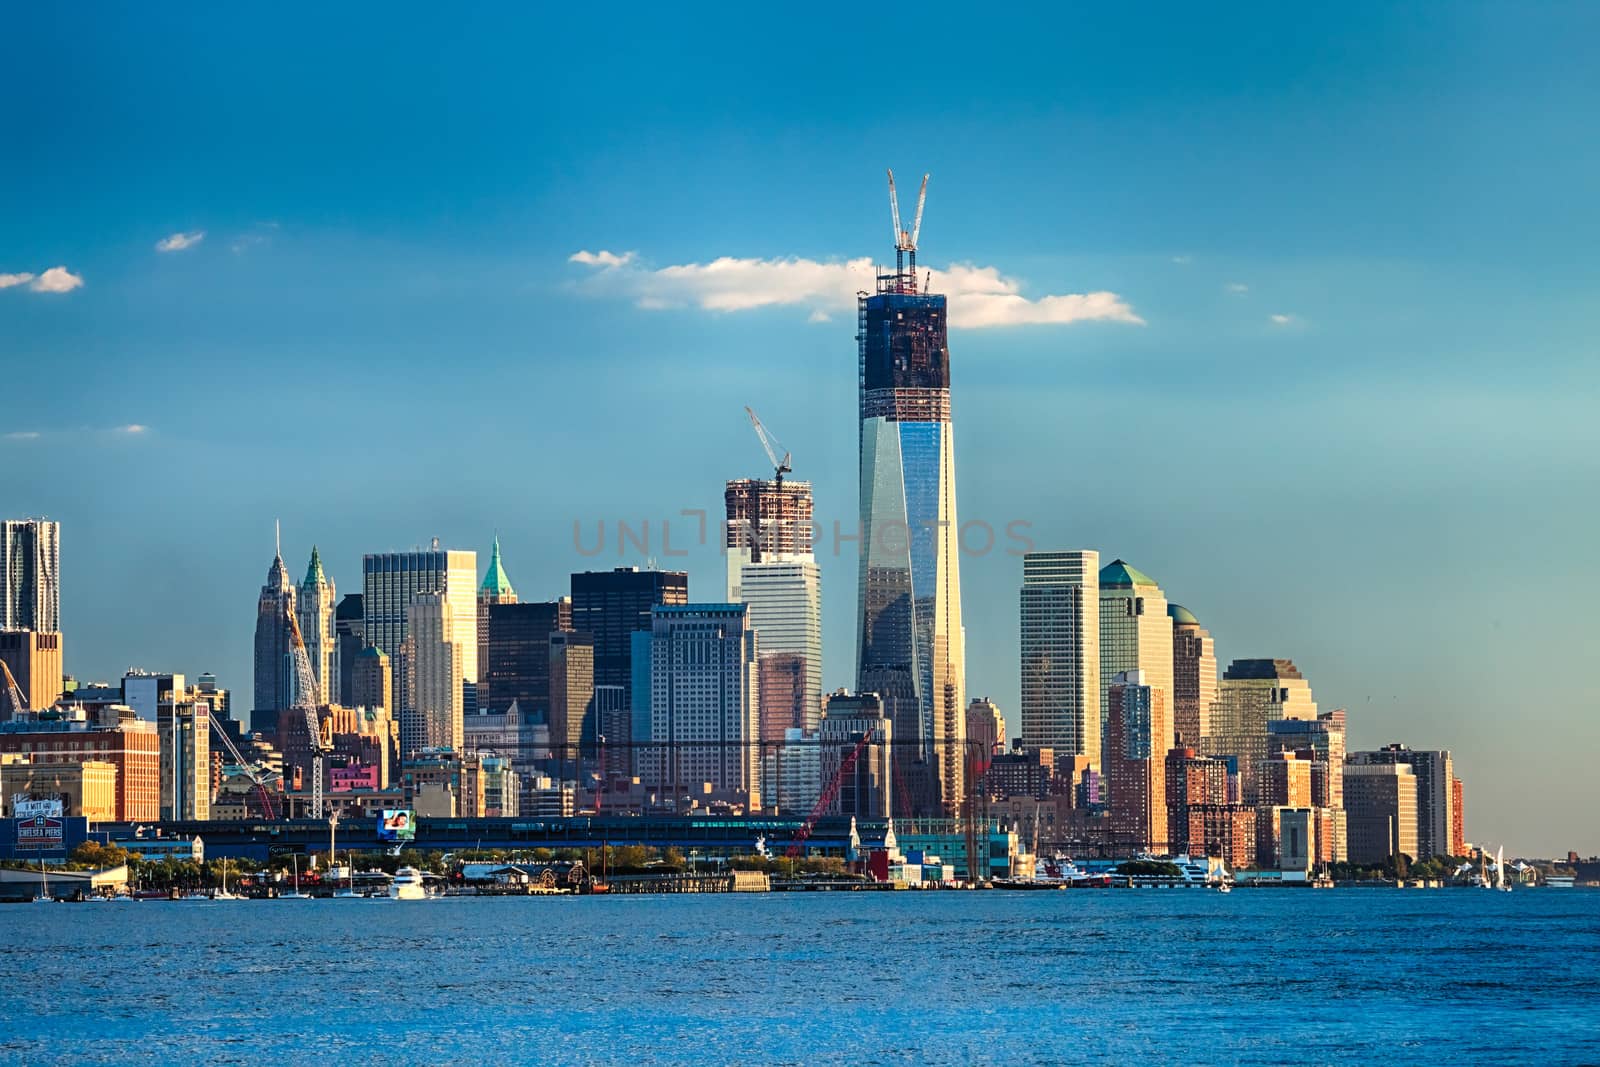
30	575
910	643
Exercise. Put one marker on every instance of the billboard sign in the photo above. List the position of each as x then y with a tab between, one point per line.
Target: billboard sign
397	824
41	833
24	806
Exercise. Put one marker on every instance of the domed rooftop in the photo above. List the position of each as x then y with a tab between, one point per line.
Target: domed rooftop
1118	574
495	582
1182	616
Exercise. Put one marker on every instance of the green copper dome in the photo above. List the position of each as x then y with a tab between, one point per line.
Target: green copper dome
314	575
1182	616
495	582
1118	574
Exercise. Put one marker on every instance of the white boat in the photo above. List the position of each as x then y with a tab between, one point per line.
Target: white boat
44	896
223	894
1500	870
407	885
1224	887
1560	881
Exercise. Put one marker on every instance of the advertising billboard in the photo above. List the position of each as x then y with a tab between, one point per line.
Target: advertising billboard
24	806
40	833
397	824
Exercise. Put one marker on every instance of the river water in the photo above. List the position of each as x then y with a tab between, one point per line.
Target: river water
1255	976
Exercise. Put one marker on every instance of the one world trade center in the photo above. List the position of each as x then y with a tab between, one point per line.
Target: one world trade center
910	647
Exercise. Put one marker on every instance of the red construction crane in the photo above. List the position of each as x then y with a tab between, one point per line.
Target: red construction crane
802	835
255	774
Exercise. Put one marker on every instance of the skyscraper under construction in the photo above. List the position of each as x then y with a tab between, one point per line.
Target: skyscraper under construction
910	642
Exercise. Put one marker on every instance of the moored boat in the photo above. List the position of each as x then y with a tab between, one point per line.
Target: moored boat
407	885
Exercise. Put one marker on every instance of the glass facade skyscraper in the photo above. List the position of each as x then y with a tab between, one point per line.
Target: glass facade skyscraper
910	641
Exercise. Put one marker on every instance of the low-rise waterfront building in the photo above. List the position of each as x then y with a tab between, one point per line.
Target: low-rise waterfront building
128	743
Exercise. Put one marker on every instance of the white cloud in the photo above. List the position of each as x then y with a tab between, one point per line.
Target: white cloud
8	280
818	315
23	435
177	242
132	428
1183	261
1238	287
602	258
1281	320
979	296
56	280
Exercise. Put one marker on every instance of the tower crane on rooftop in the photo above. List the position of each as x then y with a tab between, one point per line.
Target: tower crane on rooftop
905	241
780	467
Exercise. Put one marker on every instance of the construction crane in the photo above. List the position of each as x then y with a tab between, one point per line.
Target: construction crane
905	241
846	765
780	467
257	776
306	700
13	691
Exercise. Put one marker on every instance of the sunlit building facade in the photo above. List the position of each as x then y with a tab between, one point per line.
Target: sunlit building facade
1194	676
704	704
911	647
1061	653
391	579
1253	693
1135	635
434	654
314	604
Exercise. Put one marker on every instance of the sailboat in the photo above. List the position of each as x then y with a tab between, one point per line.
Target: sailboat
296	894
44	896
1500	870
349	891
223	894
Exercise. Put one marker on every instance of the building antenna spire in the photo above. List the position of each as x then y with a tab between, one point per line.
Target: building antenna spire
277	539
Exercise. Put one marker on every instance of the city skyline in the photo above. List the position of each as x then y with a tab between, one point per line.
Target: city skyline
1350	488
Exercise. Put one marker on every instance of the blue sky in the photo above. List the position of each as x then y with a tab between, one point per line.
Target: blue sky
381	336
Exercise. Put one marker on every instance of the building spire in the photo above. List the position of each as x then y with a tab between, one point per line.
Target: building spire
314	575
277	574
495	582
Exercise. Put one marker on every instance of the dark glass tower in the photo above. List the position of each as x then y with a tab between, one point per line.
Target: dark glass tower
910	640
613	604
